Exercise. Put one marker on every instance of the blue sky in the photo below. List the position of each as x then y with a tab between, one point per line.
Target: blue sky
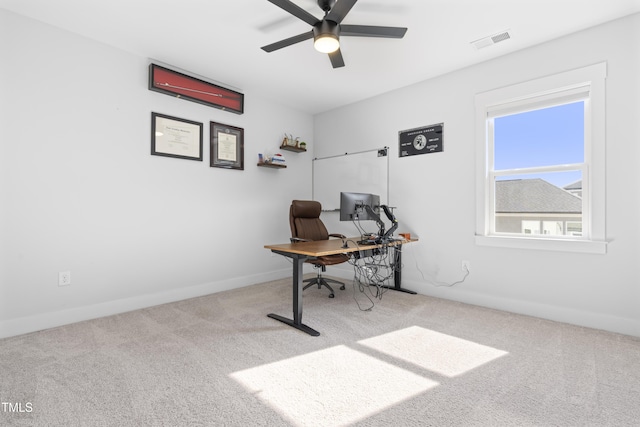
551	136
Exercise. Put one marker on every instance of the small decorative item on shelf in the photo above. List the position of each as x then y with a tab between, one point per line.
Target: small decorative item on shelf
278	159
302	145
288	141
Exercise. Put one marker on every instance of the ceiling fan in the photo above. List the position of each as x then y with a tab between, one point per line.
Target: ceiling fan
326	32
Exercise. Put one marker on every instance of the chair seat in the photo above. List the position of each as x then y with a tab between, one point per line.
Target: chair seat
329	259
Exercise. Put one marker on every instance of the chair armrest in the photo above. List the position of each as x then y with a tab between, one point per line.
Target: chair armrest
340	236
297	239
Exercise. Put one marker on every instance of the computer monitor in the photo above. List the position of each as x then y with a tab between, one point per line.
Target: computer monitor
352	206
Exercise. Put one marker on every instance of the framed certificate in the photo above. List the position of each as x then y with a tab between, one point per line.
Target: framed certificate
175	137
227	146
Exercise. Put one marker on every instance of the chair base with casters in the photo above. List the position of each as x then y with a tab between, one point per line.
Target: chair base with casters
323	281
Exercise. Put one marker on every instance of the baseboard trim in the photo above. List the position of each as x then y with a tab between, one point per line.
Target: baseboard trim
572	316
42	321
569	315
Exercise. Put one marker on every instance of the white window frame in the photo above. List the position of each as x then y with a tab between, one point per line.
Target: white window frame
588	84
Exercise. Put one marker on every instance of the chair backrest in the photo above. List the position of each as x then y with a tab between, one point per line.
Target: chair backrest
305	222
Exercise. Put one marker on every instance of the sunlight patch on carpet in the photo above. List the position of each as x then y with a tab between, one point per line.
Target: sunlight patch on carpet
335	386
445	354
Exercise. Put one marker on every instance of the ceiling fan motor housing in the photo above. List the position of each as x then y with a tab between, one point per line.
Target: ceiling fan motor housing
326	28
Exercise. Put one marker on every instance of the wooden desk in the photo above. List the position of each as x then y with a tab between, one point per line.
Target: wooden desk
302	251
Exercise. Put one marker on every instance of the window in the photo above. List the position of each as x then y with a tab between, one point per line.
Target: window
537	154
541	163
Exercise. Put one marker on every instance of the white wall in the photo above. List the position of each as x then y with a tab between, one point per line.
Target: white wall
435	193
80	191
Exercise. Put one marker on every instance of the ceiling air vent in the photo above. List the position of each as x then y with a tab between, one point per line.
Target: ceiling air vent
491	40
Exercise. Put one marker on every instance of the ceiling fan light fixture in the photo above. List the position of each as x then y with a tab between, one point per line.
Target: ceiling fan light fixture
325	37
326	43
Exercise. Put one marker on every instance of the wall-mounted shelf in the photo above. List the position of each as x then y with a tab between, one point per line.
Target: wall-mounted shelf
293	148
271	165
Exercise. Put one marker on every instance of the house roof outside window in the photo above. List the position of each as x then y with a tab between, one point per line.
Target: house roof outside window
535	196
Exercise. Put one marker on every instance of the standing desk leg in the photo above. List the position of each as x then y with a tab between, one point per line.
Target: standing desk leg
298	262
397	272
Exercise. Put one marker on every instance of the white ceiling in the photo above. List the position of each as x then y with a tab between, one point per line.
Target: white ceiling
221	39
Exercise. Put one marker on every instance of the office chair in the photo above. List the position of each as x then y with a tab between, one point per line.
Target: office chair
306	225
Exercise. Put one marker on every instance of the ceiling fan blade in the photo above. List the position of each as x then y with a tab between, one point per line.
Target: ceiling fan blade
296	11
372	31
336	59
288	42
340	10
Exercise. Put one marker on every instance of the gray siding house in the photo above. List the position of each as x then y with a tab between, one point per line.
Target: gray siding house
534	206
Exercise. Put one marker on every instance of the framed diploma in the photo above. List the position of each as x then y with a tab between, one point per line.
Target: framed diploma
227	146
175	137
180	85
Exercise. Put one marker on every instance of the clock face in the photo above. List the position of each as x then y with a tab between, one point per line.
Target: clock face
419	142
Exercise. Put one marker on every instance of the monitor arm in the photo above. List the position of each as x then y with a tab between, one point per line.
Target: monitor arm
383	237
393	220
376	217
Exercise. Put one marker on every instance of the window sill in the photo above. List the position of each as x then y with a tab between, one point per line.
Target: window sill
561	245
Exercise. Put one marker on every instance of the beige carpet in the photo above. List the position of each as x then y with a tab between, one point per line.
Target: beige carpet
412	360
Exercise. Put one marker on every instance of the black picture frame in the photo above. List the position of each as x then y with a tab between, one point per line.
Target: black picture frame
227	146
422	140
176	137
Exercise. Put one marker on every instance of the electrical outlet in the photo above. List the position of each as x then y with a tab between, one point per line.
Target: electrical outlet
64	278
466	266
